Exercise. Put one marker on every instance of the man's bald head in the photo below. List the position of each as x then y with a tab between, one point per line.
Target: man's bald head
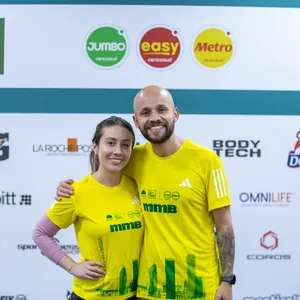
152	93
155	114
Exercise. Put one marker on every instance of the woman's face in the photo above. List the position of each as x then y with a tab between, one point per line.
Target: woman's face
114	148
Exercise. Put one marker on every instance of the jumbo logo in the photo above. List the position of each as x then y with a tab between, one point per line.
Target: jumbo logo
213	48
107	46
160	47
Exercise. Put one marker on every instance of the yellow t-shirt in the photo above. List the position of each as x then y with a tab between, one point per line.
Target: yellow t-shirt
179	258
109	228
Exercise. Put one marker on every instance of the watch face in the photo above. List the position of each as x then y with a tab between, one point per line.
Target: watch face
230	279
233	279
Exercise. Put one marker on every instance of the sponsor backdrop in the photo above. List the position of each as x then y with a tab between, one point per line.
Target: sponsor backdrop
234	74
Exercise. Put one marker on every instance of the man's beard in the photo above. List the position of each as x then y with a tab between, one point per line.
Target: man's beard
159	139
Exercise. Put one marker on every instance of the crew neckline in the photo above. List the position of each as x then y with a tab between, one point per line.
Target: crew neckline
103	186
177	152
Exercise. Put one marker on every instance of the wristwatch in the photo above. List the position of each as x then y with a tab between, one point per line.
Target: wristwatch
230	279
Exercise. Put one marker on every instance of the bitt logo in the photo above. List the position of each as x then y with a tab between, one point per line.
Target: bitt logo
294	155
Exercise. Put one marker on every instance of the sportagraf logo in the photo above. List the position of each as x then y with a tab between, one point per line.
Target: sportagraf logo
237	148
266	199
269	241
160	47
71	148
273	297
4	147
294	155
2	23
70	249
107	46
213	48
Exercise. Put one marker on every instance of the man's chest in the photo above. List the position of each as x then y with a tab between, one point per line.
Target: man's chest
167	184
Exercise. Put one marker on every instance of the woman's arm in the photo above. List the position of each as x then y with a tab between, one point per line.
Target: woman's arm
43	234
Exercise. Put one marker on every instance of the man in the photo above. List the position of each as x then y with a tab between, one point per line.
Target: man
184	196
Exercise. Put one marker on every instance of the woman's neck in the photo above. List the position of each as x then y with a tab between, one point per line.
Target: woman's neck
107	178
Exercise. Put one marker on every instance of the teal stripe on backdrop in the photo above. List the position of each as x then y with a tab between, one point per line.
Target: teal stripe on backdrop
120	101
256	3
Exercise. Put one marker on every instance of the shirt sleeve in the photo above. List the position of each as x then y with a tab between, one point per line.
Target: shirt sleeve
63	213
131	168
217	187
43	234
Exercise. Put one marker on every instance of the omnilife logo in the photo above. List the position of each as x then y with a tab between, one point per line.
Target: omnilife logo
107	46
1	46
273	297
213	48
160	47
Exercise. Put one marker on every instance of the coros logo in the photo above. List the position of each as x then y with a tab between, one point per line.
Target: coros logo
107	46
213	48
159	47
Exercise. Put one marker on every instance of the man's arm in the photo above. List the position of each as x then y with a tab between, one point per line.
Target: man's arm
225	239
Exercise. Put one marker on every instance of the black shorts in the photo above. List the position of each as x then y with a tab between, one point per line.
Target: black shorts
75	297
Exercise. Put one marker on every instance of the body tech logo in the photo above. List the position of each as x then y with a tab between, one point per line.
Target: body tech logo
213	48
237	148
160	47
294	155
107	46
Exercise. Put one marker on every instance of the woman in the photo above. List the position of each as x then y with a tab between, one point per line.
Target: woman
105	211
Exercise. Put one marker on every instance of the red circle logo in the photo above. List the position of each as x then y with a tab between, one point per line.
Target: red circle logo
160	47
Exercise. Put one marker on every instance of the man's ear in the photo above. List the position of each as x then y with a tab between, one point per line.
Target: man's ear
135	120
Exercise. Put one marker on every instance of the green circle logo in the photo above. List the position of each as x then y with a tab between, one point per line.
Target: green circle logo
167	195
175	196
107	46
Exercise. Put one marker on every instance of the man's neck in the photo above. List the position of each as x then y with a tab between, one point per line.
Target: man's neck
168	147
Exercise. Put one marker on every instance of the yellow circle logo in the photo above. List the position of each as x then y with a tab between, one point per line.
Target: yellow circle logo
213	48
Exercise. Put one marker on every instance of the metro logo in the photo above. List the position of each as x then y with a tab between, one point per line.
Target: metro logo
159	47
164	48
213	48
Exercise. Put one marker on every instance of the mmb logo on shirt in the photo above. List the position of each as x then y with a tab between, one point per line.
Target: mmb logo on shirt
1	46
294	155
